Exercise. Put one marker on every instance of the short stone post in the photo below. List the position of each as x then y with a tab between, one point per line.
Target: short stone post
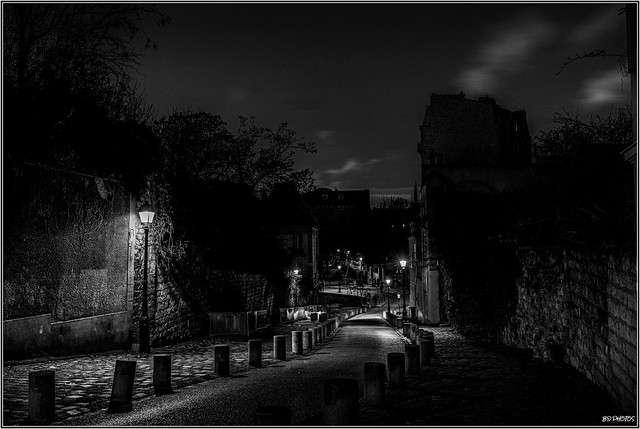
306	340
255	353
413	332
425	358
42	402
122	389
314	337
272	415
374	377
296	342
412	356
341	405
428	335
406	329
395	365
221	359
162	375
280	347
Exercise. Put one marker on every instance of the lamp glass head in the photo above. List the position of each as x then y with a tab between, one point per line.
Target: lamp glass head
388	281
146	214
403	263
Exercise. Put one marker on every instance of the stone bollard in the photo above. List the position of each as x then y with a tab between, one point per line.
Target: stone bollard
340	405
122	389
395	365
321	333
162	375
42	402
428	336
314	337
412	357
406	329
306	340
374	377
425	358
413	333
255	353
272	415
296	342
221	359
280	347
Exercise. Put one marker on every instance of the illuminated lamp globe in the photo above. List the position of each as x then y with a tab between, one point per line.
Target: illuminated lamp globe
146	214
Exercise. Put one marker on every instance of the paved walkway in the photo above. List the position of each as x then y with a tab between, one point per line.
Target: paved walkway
465	384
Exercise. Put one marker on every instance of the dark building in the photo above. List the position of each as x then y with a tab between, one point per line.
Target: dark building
458	131
342	216
472	151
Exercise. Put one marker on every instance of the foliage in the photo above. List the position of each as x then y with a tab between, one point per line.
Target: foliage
69	96
572	134
197	147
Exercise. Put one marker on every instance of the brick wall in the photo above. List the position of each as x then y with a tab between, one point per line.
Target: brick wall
580	308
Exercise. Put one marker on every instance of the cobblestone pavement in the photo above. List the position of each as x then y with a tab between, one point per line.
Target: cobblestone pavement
83	383
466	384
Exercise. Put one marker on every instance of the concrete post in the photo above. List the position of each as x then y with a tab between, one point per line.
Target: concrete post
272	415
413	332
255	353
306	340
412	357
280	347
122	389
162	374
314	337
296	342
42	402
395	365
428	335
341	405
406	329
221	359
374	377
424	352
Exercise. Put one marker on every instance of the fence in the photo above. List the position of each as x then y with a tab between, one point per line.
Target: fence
237	323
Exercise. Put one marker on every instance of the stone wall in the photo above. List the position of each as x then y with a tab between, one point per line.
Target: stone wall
580	308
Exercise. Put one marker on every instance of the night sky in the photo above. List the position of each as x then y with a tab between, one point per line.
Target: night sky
356	78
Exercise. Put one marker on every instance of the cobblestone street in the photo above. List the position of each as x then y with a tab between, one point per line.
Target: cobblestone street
465	384
83	383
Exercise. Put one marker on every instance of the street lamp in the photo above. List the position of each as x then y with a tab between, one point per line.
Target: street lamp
295	284
146	217
388	295
398	303
339	279
403	264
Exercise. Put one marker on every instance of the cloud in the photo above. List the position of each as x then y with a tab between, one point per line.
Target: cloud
324	137
351	165
604	88
594	28
506	51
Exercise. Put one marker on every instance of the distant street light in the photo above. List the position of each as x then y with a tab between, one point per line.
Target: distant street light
297	288
403	264
388	295
398	303
146	217
339	279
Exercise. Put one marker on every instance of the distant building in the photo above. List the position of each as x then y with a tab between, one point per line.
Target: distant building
342	216
290	220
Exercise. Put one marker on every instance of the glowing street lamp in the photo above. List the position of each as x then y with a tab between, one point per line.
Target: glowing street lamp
403	264
339	278
388	295
146	217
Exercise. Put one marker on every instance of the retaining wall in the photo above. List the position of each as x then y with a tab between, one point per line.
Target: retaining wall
580	308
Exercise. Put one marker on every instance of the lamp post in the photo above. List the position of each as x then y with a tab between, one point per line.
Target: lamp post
403	264
295	283
398	303
339	279
388	281
146	217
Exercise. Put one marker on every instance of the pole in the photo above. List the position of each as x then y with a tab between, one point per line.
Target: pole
389	297
144	320
404	295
